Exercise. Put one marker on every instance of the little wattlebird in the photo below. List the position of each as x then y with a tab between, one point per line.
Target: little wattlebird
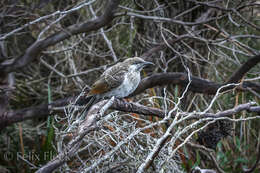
119	81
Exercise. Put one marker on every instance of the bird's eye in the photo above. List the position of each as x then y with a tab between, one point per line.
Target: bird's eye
137	62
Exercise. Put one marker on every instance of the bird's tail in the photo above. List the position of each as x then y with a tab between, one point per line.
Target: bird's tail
91	102
87	101
83	100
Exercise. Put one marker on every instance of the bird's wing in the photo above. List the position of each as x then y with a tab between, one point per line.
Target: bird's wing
110	79
115	76
99	87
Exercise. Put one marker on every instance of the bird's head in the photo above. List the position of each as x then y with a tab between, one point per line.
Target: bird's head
136	63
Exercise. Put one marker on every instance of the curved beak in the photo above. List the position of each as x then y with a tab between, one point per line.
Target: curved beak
147	63
144	64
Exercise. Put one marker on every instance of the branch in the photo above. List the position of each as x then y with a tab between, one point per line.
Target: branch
238	75
8	118
56	13
199	85
89	124
242	107
164	19
163	45
35	49
125	106
206	151
44	110
119	104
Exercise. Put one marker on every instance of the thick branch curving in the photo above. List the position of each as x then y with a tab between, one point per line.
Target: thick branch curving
35	49
238	75
199	85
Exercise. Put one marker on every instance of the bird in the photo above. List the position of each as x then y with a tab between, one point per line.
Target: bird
119	80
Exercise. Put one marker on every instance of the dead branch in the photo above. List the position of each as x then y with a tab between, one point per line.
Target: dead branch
119	104
198	85
40	111
37	47
200	45
45	109
95	113
249	64
162	46
247	106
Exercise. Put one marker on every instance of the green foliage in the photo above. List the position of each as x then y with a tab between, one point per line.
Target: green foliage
47	147
235	159
197	160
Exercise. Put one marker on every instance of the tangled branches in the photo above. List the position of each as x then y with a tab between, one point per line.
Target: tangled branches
205	86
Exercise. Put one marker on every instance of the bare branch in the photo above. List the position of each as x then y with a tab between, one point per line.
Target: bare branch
173	20
87	126
44	18
198	85
250	63
35	49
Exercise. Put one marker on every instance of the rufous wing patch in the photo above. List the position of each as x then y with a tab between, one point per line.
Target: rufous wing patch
99	87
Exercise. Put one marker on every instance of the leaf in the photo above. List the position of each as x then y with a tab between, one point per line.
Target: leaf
50	128
238	144
197	159
241	160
